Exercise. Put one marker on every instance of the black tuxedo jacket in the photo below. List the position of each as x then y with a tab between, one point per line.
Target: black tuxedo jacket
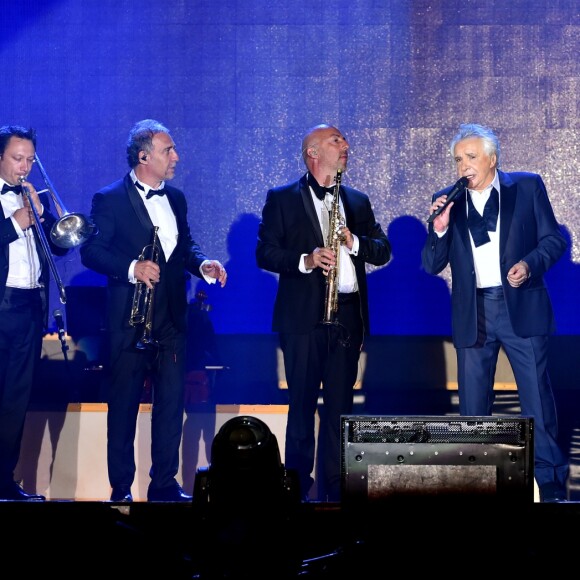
290	228
124	229
528	231
8	235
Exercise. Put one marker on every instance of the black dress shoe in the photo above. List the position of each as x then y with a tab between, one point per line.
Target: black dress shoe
172	493
121	493
552	492
13	492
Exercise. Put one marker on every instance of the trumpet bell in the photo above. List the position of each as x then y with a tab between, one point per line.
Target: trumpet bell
147	343
72	229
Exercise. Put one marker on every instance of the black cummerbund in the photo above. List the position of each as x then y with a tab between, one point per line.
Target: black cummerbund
345	298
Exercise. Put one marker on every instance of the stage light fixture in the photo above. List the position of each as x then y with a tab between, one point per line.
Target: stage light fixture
247	504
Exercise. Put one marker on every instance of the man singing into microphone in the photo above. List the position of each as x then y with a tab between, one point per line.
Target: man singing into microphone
499	239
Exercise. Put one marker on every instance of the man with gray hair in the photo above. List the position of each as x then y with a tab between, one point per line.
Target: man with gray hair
147	335
499	238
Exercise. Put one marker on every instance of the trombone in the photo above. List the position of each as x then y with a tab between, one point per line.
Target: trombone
71	229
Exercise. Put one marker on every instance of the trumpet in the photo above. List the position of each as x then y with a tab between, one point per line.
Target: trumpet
143	299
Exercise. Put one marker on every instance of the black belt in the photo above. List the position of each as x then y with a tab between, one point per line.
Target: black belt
22	292
492	292
346	297
16	297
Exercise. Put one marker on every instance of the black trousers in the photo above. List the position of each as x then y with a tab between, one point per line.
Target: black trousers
128	370
328	356
21	332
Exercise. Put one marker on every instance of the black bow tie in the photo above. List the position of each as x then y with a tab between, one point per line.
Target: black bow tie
151	192
479	224
15	188
319	190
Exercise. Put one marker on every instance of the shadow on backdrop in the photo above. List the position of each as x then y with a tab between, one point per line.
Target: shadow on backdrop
242	319
410	313
202	371
563	282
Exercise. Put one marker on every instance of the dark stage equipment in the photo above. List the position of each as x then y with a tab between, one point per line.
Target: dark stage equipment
247	503
427	458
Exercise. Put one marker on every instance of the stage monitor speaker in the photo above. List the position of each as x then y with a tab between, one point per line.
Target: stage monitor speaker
438	457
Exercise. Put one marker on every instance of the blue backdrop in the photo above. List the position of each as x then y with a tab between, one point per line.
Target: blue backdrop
239	82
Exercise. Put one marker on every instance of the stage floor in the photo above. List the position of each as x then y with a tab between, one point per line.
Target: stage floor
174	541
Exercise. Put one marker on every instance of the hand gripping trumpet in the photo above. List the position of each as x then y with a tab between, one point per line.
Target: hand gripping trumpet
334	241
144	297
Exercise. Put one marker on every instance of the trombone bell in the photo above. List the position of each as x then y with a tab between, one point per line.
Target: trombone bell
71	230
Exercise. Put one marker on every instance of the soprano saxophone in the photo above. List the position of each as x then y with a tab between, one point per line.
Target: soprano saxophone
334	241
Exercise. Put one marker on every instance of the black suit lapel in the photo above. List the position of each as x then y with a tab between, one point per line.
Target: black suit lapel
173	205
460	219
348	212
507	203
138	204
310	210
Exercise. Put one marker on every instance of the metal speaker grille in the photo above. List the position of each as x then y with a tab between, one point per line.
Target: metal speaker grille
413	430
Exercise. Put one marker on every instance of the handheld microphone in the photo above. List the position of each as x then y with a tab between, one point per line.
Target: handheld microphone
59	324
458	188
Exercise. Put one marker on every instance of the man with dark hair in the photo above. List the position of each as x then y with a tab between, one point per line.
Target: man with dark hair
24	283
